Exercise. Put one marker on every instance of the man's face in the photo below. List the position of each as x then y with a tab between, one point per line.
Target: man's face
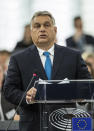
78	24
43	32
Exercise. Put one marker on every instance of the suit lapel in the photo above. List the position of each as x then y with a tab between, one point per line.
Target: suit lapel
56	61
38	64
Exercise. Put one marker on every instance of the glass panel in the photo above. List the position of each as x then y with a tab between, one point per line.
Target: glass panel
60	101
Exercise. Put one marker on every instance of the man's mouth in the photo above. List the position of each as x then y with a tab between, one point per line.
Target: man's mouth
43	36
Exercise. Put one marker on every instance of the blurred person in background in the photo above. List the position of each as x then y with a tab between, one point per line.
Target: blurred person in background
26	41
1	84
90	69
7	109
90	59
80	40
4	59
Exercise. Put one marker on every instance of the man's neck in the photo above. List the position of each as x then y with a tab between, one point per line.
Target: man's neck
46	48
49	50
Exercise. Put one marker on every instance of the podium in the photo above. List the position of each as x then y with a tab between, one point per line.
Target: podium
62	100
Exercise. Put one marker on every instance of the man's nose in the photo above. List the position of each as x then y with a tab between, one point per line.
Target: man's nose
42	28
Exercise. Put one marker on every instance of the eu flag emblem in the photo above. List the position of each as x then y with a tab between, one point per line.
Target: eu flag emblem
82	124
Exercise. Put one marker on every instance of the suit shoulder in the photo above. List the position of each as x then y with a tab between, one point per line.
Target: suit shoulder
68	50
87	35
69	38
89	38
23	52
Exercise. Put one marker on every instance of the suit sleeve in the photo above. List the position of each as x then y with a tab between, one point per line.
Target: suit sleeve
13	84
82	70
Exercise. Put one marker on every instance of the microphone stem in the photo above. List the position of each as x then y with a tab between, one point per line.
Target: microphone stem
20	102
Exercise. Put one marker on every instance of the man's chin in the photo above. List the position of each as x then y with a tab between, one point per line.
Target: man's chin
43	44
43	41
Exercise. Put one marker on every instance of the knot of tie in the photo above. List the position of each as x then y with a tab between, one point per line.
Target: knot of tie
46	54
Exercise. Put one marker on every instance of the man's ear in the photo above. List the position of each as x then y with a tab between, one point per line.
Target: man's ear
55	28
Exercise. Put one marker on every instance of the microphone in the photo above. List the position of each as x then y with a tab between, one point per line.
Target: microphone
33	79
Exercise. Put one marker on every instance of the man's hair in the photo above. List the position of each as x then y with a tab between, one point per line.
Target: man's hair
77	18
3	52
43	13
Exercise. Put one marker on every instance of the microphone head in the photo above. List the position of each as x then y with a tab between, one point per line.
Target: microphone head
34	74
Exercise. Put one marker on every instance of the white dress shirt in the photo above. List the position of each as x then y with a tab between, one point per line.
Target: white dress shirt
43	58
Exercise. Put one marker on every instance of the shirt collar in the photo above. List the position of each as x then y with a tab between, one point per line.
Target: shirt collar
51	51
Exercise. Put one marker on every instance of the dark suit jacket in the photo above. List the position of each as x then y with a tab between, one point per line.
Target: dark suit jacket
67	64
71	43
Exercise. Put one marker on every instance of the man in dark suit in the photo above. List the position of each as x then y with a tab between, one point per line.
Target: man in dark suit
80	40
65	63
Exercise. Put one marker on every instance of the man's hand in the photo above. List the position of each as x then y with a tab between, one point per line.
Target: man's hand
30	96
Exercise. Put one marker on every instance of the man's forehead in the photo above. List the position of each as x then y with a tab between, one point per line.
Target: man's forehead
41	19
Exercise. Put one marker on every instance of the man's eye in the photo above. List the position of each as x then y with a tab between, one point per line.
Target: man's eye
47	25
37	26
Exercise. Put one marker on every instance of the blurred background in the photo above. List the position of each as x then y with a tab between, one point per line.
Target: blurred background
15	14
